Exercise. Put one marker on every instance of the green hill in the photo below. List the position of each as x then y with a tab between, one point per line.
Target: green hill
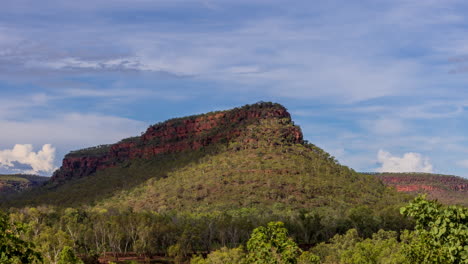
252	156
192	185
257	174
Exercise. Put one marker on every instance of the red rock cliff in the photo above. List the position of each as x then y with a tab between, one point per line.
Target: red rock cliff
446	188
176	135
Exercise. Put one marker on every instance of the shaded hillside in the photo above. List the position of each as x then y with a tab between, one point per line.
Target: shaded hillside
15	183
252	156
447	189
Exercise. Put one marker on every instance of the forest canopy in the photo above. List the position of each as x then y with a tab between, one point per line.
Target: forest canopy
426	232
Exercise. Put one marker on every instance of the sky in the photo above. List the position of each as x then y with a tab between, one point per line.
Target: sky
381	85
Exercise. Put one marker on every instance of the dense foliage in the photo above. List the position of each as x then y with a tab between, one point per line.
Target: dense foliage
271	245
91	232
441	233
67	256
440	237
13	248
239	236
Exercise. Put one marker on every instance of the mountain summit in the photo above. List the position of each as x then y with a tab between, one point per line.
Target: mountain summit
252	156
178	135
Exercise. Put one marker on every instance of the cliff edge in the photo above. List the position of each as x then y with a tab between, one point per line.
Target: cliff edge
176	135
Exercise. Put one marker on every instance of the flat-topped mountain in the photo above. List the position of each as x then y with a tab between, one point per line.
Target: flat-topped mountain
252	156
175	135
447	189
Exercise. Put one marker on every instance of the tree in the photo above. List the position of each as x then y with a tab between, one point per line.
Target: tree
331	252
441	233
222	256
362	218
51	241
13	249
271	245
383	247
308	258
67	256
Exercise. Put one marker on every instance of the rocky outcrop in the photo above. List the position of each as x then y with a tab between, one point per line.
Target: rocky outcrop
176	135
445	188
424	182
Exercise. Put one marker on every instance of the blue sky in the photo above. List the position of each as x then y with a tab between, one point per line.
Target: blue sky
381	85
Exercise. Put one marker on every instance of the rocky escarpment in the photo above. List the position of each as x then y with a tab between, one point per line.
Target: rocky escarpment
176	135
446	188
424	182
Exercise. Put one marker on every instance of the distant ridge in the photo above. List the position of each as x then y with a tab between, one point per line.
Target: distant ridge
448	189
15	183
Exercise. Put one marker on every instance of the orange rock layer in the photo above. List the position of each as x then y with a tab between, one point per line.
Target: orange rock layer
191	133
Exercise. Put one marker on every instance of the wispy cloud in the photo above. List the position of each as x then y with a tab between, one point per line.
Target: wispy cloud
359	76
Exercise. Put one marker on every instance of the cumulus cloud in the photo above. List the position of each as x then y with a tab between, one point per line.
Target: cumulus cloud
409	162
22	158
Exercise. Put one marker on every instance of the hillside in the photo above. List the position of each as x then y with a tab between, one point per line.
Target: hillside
253	156
447	189
14	183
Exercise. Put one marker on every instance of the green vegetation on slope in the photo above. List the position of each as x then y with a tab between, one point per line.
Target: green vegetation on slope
267	171
210	200
259	168
105	183
197	201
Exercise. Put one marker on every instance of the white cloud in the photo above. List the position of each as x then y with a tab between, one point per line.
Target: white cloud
409	162
23	155
292	60
67	132
463	163
288	55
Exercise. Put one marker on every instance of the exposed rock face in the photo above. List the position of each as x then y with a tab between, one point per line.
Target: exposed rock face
445	188
425	182
176	135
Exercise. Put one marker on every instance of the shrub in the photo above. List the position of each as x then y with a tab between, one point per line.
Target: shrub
271	245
